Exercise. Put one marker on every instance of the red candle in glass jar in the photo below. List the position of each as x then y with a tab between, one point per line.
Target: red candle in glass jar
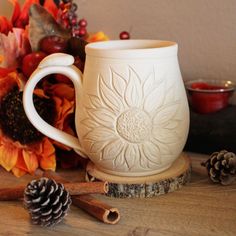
209	96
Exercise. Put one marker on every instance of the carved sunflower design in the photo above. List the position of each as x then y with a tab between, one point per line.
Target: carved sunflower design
131	122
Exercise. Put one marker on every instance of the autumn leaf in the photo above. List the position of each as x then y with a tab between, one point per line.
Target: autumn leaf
42	24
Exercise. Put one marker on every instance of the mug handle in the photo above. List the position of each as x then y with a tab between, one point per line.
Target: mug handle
55	63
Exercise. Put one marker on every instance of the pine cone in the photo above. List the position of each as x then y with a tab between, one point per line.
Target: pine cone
221	167
47	201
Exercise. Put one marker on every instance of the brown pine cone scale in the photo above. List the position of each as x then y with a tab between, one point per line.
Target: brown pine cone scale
221	167
47	201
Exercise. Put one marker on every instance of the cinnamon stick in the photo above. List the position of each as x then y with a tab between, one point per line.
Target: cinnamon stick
10	194
86	188
7	194
97	208
91	205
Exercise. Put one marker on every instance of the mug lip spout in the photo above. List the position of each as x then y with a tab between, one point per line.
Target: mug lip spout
132	48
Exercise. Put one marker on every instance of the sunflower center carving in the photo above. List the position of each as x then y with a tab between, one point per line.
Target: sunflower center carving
134	125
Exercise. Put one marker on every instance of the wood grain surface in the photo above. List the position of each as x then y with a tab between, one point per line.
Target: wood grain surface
199	208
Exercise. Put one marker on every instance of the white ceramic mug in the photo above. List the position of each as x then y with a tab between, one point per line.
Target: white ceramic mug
132	115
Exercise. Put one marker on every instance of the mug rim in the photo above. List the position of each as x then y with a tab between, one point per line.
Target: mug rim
132	48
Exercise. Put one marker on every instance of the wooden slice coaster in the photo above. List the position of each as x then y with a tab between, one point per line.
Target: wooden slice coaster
146	186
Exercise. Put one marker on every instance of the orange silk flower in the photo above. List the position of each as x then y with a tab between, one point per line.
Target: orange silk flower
26	158
22	159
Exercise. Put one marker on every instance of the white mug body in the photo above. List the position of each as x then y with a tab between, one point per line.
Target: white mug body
132	118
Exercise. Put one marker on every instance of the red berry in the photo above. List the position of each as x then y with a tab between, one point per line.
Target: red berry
74	20
82	32
75	31
30	62
53	44
83	23
124	35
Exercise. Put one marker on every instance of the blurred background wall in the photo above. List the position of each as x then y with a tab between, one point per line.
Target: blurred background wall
204	29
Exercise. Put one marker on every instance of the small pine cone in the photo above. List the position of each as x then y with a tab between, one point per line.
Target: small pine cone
221	167
46	201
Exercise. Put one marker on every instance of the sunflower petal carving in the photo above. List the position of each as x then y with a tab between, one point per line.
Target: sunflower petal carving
168	136
89	123
172	125
165	113
108	116
99	134
108	96
130	121
118	83
112	150
133	92
121	161
97	147
148	84
151	102
152	153
152	81
131	154
94	101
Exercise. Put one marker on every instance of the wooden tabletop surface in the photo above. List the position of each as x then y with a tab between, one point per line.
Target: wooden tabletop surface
199	208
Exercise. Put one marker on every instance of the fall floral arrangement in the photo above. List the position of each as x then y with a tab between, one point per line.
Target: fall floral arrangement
37	29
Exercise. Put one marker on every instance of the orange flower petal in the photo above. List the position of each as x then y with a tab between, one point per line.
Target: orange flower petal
63	90
16	11
23	18
18	172
4	71
31	161
67	128
1	59
64	109
20	164
68	107
8	82
23	159
48	158
48	162
5	25
48	148
8	157
40	93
